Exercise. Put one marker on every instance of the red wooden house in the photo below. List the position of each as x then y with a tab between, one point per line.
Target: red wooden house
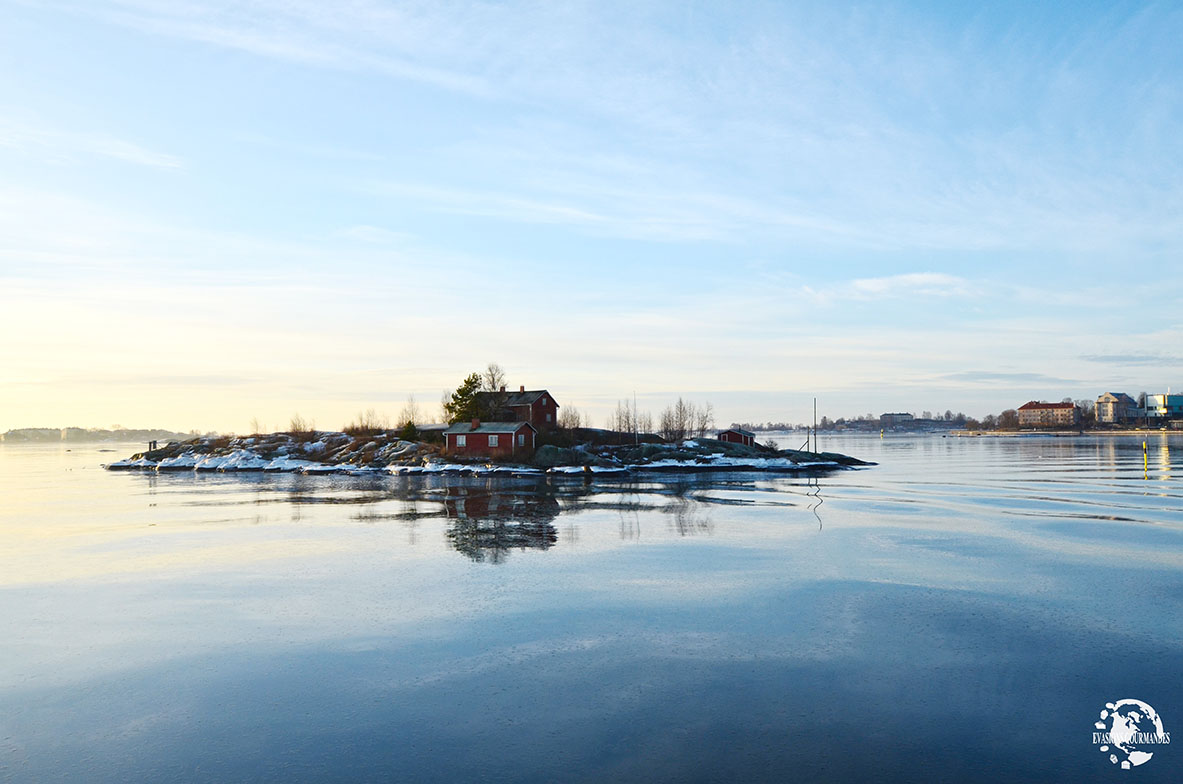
537	406
489	439
737	436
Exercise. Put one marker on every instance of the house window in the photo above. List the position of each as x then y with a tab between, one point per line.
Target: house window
461	441
493	440
521	439
548	417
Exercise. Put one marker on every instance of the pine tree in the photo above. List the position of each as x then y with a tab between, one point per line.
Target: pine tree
463	405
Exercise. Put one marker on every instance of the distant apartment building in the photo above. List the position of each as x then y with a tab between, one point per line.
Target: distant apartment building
1160	407
1036	414
1117	407
895	420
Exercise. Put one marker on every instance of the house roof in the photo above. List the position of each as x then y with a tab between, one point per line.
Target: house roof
738	430
1116	397
488	427
1035	405
520	398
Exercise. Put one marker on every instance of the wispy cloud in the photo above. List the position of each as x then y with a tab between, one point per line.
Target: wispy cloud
1156	360
358	36
805	125
991	377
906	285
490	204
924	284
57	146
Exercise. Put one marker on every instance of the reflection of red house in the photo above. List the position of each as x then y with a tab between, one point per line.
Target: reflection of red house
737	436
489	439
535	406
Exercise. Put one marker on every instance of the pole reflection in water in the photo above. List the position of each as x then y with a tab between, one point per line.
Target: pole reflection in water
815	483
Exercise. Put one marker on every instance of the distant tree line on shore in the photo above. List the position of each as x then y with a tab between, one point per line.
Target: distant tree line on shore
41	435
866	421
679	420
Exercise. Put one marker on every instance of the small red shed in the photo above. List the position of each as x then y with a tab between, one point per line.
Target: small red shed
489	439
737	436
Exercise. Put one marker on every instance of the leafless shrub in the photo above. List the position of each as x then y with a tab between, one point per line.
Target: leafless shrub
368	422
299	425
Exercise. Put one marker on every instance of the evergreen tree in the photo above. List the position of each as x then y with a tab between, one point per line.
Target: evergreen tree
463	405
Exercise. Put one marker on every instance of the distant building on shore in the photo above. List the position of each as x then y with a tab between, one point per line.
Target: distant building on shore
1163	407
1117	408
1036	414
737	436
888	421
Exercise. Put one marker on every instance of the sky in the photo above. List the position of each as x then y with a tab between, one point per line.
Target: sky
215	212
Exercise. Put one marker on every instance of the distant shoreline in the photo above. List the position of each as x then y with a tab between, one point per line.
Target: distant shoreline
1063	433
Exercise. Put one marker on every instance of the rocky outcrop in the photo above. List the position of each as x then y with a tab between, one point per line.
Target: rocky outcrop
330	452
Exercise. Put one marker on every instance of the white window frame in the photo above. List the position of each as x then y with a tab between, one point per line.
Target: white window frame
521	439
494	441
461	441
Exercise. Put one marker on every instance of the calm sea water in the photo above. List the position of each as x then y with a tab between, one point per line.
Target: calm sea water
961	612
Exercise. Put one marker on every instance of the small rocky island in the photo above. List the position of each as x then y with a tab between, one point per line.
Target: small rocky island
589	453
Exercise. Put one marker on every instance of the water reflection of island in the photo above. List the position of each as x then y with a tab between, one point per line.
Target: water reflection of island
486	524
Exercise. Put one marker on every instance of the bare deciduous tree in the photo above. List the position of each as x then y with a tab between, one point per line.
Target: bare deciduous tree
570	418
621	420
493	404
684	419
627	419
704	420
493	378
410	414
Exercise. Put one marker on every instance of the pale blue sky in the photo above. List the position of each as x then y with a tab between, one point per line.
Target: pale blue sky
214	211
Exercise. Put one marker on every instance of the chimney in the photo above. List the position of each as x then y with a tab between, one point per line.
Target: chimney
476	422
522	388
503	387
